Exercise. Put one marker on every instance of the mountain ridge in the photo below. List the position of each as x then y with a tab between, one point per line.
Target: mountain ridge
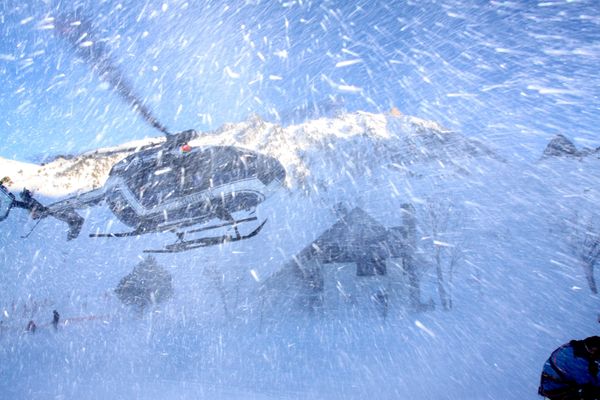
339	144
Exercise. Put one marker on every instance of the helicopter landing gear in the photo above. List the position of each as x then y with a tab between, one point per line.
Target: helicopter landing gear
183	245
170	227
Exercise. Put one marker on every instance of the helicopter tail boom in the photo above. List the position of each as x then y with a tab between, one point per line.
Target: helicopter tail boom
81	200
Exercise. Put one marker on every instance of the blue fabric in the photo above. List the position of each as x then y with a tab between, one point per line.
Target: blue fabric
567	369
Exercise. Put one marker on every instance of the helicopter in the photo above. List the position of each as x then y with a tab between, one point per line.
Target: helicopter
168	186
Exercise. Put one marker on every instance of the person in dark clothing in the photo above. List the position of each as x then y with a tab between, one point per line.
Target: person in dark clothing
31	327
55	319
571	372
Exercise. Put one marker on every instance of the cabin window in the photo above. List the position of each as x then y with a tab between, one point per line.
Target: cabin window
155	180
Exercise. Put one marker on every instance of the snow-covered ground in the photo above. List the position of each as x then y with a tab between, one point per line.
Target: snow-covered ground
517	288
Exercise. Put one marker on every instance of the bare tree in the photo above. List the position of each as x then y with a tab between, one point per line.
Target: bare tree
442	220
583	239
147	284
455	256
217	277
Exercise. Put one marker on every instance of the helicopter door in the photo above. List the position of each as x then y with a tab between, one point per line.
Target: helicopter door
6	202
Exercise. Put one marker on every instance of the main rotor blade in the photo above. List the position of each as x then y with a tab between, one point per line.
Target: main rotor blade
79	33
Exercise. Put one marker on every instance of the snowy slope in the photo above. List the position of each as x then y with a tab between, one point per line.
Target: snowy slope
517	290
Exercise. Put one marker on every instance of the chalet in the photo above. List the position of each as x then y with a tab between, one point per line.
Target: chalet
363	248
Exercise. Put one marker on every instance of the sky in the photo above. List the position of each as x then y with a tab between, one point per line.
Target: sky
513	73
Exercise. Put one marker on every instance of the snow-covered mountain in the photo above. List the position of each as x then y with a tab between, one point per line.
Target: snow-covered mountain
503	235
316	153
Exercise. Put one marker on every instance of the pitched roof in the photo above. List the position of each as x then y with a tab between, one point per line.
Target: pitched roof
354	235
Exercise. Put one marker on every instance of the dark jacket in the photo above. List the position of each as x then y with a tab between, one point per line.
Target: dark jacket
570	374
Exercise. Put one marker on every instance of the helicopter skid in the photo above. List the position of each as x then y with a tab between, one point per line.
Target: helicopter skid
136	232
184	245
171	227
